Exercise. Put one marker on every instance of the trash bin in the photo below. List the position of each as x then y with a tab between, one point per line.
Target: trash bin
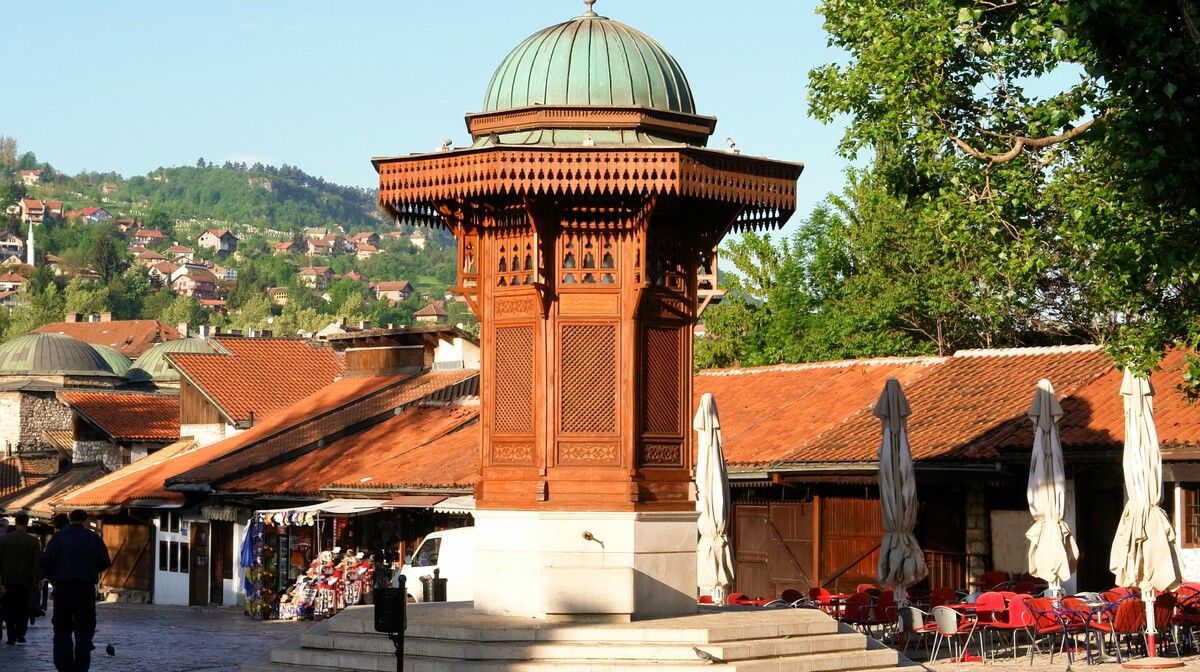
433	588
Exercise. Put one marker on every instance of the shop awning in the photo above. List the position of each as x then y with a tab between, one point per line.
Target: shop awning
413	501
334	507
460	504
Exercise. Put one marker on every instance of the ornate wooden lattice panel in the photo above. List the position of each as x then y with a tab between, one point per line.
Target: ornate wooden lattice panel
660	381
588	386
514	255
513	408
588	259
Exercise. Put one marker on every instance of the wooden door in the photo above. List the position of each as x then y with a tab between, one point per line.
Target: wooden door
132	556
773	548
220	560
851	532
198	592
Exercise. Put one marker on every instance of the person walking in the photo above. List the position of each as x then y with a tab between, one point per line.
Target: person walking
72	562
18	566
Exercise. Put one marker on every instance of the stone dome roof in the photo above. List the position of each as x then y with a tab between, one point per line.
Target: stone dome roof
116	359
152	365
51	354
589	61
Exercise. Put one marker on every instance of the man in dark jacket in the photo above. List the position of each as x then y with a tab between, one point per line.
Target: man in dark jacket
18	564
72	561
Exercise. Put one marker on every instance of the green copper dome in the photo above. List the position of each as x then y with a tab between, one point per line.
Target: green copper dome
116	359
152	365
589	61
51	354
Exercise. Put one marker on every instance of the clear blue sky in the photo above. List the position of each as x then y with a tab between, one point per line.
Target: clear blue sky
132	86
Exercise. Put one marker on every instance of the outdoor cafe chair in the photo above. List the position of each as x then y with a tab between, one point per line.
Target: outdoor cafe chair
990	609
951	625
1126	617
791	596
940	596
1187	613
1047	621
1017	620
1164	611
914	624
858	611
991	580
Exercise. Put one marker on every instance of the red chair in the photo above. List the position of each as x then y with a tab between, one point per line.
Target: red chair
1124	617
1018	619
992	580
823	599
990	609
1047	622
858	612
1164	612
940	596
736	598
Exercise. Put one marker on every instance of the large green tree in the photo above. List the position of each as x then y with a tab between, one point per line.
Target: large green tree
1041	144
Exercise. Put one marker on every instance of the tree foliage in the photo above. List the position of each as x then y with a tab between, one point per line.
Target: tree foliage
1039	145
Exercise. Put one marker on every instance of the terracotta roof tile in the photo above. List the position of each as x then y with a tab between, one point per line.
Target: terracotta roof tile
23	471
39	500
142	481
344	404
129	417
428	446
258	375
769	412
130	337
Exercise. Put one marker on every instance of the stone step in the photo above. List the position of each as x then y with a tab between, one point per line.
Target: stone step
472	649
449	638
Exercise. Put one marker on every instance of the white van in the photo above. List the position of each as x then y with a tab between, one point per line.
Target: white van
452	552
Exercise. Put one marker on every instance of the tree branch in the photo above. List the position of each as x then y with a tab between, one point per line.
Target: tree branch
1021	142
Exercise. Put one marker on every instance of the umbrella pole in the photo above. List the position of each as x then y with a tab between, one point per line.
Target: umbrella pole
1152	661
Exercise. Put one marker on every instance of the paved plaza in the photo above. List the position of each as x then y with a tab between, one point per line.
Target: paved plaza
155	638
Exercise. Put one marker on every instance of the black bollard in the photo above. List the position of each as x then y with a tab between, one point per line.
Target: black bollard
391	617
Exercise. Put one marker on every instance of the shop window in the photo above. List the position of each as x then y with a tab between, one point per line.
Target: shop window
168	521
173	557
1190	514
164	552
183	557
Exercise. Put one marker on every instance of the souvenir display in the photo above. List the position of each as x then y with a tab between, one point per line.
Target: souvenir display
332	582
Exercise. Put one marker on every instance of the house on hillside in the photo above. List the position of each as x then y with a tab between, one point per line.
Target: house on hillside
365	251
395	290
434	313
160	273
222	241
11	282
148	237
11	245
108	188
32	211
316	277
147	258
54	208
418	240
94	215
30	177
365	238
320	248
290	247
279	295
194	281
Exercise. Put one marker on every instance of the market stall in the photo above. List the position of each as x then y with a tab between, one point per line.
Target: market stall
305	561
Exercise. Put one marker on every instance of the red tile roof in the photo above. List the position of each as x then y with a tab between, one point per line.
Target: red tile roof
130	337
427	447
768	412
128	417
140	482
258	375
346	403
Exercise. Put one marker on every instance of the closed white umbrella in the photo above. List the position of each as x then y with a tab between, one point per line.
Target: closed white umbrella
1143	549
1053	554
901	562
714	557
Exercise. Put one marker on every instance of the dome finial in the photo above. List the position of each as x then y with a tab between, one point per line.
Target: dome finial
590	11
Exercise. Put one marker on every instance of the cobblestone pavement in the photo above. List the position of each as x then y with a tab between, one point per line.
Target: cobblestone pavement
157	638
